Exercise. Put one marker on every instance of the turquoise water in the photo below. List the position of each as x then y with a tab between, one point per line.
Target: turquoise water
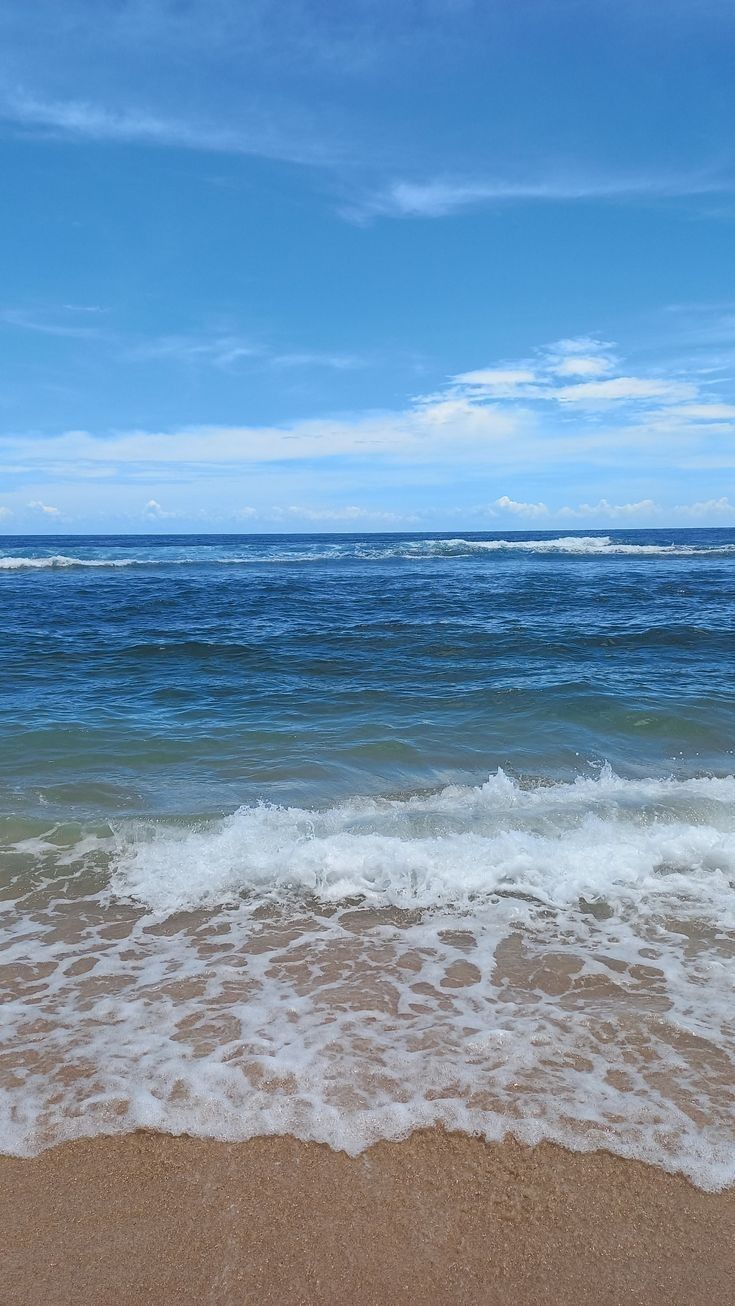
485	779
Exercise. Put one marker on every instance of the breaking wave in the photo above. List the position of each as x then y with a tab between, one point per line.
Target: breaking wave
632	843
366	550
60	560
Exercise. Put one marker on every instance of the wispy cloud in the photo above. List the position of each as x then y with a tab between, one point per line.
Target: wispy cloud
224	350
558	373
257	136
339	362
624	389
290	137
93	122
295	80
220	351
503	382
706	412
520	414
581	357
440	198
48	325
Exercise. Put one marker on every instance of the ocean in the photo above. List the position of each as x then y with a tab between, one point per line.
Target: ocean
340	836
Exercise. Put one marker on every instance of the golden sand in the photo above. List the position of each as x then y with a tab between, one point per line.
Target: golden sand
437	1219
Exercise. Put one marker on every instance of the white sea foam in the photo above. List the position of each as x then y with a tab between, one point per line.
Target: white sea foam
367	550
629	842
598	545
59	560
554	961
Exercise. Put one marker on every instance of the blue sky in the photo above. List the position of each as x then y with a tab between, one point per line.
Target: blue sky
435	264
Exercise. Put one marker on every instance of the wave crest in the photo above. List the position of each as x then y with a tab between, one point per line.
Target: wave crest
366	549
60	560
631	843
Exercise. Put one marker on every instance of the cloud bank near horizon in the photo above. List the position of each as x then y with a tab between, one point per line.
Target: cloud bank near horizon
570	410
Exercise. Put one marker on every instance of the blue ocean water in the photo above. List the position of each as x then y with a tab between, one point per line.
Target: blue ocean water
189	674
342	835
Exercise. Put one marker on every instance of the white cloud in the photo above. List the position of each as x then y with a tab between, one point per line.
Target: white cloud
5	512
707	508
643	508
579	356
460	418
581	365
509	417
578	345
571	361
425	430
532	510
154	510
495	378
352	513
706	412
623	389
639	512
710	419
49	511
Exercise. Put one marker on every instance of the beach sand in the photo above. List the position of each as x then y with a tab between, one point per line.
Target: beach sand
435	1219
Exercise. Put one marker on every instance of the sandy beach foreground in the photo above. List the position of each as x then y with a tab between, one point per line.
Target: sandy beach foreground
438	1218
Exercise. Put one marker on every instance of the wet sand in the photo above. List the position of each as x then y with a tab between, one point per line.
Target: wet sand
436	1219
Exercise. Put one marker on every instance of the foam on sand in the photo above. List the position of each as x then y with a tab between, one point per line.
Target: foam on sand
553	961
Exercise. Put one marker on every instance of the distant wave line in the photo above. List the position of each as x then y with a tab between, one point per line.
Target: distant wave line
571	545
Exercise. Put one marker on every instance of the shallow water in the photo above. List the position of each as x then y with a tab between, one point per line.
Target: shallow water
339	836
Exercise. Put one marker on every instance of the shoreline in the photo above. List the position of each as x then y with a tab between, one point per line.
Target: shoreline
437	1218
